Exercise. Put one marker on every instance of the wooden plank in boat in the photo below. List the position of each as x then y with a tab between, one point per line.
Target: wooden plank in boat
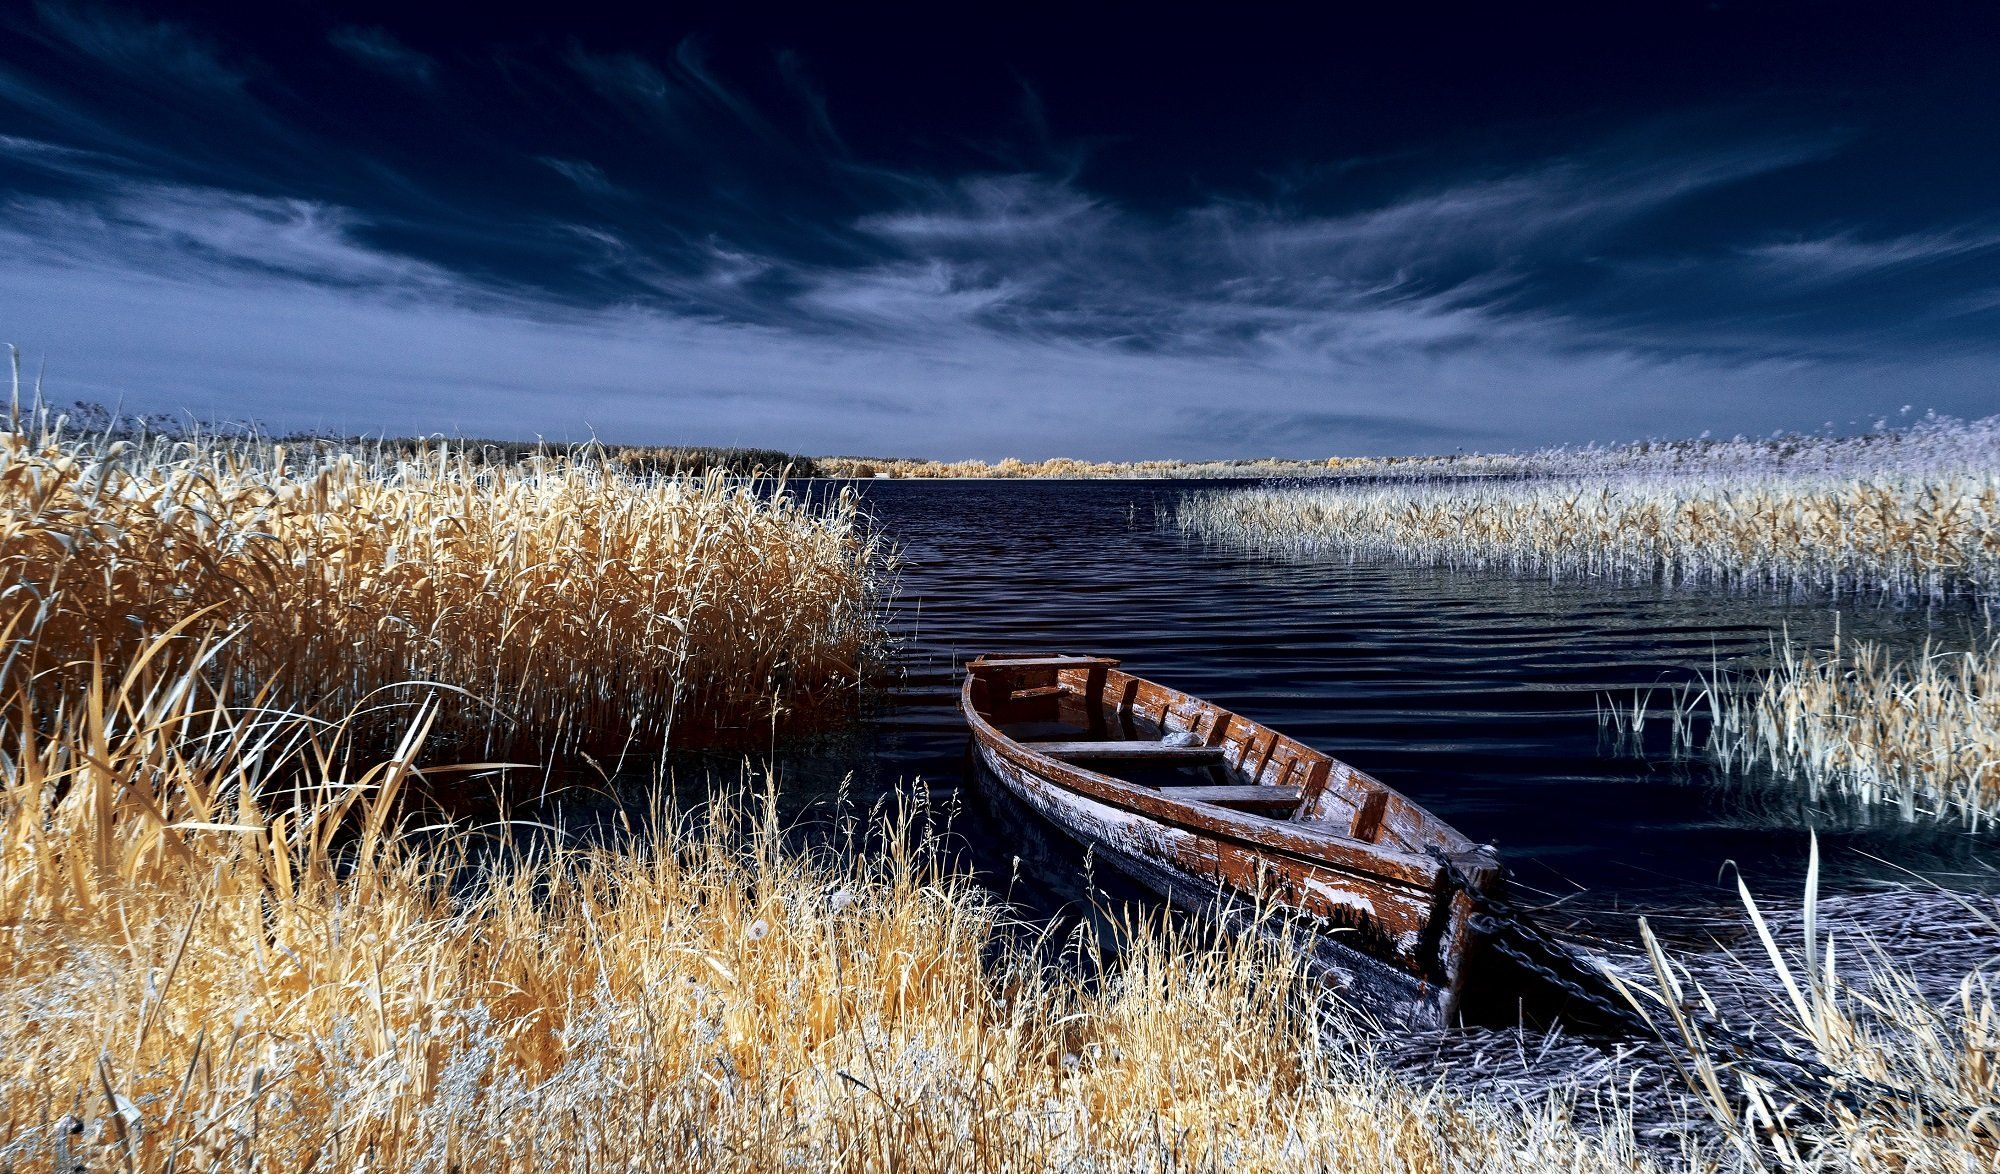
1240	795
1122	751
1038	691
1042	662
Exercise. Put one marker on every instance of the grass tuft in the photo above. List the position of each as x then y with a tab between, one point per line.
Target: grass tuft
1918	734
1901	1081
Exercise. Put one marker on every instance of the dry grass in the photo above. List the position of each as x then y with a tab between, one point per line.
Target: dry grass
1900	538
1920	734
1905	516
225	946
196	978
593	609
1906	1082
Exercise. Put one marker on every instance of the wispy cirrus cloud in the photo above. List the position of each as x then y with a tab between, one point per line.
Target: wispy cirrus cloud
138	47
215	237
1848	255
380	50
588	177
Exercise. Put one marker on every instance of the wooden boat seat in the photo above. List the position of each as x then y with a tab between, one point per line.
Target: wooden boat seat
1276	798
1130	751
1038	691
1043	662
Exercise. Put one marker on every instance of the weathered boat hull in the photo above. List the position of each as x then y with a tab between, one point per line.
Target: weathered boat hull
1386	924
1370	985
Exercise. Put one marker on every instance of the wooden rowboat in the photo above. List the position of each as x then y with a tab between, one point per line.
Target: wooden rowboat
1216	812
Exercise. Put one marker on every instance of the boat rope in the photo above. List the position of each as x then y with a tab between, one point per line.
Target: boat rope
1581	974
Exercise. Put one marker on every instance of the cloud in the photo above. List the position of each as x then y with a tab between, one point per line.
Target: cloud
796	78
199	234
687	101
1328	429
1848	255
990	210
623	77
1438	268
285	310
378	49
137	48
586	176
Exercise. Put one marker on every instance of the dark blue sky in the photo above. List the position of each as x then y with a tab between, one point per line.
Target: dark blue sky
1111	230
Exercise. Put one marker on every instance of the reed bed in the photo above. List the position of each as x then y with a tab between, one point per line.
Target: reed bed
1903	539
1919	734
1909	516
585	608
194	978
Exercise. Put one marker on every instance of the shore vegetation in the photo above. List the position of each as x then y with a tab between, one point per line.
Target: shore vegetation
1865	1063
1909	517
1916	733
582	607
225	947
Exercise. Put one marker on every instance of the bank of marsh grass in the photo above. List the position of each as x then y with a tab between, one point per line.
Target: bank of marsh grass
193	977
582	607
1904	517
224	948
1896	538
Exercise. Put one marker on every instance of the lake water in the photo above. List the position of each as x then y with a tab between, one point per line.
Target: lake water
1474	694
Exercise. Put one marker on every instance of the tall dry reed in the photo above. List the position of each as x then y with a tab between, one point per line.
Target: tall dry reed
1874	1075
585	608
1917	733
1905	516
1897	538
193	978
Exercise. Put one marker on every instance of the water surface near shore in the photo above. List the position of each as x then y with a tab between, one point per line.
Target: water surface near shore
1473	693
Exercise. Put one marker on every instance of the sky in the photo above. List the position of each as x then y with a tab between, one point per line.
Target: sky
1105	230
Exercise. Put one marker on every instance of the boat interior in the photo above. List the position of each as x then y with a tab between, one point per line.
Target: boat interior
1084	711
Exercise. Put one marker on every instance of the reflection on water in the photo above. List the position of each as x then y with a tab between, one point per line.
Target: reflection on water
1473	694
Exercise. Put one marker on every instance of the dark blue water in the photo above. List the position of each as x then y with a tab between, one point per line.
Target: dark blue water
1474	694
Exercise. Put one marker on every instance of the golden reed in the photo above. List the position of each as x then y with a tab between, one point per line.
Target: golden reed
584	608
